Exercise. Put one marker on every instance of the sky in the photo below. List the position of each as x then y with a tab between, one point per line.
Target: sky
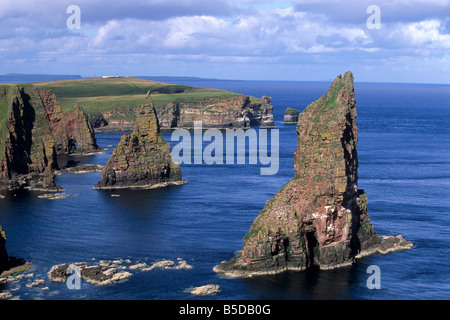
306	40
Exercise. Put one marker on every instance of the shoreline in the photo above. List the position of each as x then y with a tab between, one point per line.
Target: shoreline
390	244
143	187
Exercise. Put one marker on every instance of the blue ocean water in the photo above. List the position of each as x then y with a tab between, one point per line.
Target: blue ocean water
404	157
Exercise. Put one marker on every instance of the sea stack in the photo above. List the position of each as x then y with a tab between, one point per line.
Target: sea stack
290	116
142	159
72	130
3	252
27	146
320	217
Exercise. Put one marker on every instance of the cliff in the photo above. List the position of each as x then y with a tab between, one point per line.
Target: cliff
290	116
142	159
72	130
237	111
112	104
27	146
234	111
33	130
320	217
3	252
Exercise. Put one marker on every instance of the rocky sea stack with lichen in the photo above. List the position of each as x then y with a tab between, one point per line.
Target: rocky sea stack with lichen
72	130
320	217
290	116
3	252
33	130
27	146
142	159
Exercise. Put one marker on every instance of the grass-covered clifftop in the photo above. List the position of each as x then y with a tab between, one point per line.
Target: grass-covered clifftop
99	95
117	100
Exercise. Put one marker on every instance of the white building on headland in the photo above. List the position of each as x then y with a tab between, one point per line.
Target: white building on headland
116	76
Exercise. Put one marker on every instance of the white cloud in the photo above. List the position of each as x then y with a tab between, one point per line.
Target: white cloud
428	32
242	32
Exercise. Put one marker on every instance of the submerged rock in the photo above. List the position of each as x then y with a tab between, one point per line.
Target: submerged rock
142	159
320	217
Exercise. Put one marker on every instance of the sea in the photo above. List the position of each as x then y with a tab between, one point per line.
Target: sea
404	167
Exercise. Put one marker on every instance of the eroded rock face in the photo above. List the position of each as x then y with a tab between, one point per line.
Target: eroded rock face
3	252
237	111
72	130
142	159
319	217
27	146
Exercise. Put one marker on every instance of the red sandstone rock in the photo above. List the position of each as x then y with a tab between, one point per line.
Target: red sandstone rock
319	217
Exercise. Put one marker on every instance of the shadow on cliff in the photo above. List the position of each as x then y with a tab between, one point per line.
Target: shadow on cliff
22	138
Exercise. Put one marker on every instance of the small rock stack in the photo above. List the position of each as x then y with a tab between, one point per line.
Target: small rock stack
290	116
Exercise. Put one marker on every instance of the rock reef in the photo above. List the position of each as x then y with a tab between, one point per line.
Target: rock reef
142	159
320	217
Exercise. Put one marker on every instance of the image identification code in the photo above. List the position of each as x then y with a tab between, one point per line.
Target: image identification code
228	309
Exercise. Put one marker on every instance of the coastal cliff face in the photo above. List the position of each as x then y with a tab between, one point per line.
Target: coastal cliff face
72	130
142	159
3	252
27	146
320	217
237	111
33	130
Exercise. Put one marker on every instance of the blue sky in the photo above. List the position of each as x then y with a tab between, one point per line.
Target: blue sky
230	39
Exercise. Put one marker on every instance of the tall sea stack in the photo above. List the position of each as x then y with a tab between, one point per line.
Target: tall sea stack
3	252
142	159
72	130
319	218
27	146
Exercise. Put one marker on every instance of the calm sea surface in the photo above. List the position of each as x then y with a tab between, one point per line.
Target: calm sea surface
404	155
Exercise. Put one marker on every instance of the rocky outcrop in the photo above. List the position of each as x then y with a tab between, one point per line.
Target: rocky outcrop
290	116
98	274
72	130
109	271
33	130
142	159
3	252
320	217
27	146
209	289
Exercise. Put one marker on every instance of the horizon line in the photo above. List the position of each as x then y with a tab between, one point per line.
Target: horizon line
195	78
